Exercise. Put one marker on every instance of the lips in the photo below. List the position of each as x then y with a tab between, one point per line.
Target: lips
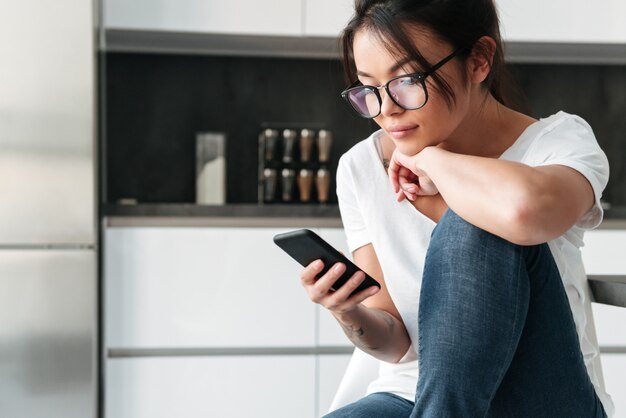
401	131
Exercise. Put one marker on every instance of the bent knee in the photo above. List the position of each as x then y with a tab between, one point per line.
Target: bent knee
454	229
455	237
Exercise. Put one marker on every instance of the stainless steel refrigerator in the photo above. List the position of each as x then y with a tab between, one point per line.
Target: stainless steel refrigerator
48	263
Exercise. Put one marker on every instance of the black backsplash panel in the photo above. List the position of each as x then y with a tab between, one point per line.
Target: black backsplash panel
155	104
598	95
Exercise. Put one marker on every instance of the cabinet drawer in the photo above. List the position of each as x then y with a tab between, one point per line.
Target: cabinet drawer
200	387
203	287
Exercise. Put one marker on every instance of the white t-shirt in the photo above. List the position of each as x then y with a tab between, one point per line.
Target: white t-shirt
400	234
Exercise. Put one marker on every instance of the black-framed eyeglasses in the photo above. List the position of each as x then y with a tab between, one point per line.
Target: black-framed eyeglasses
407	91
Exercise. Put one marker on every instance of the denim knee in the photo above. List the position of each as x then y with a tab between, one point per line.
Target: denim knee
455	238
454	230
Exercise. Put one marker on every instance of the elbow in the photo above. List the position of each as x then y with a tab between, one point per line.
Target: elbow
400	354
394	360
523	223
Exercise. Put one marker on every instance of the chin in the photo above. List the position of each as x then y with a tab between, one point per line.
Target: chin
408	147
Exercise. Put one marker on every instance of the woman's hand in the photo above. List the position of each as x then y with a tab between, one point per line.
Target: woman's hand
407	179
337	301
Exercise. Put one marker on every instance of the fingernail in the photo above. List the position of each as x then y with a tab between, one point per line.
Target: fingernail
374	290
338	268
318	264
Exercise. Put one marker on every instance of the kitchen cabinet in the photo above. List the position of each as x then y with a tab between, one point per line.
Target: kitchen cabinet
211	289
249	17
614	369
200	387
203	287
213	292
326	17
567	21
558	31
331	369
556	21
603	253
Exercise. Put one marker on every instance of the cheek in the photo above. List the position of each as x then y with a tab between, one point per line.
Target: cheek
443	118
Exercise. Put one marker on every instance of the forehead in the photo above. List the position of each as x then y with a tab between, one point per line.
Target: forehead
375	56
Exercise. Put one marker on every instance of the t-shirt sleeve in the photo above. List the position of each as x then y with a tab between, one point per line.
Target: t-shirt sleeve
351	216
572	143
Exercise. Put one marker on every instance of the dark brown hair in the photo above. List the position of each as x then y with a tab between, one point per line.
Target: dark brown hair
460	23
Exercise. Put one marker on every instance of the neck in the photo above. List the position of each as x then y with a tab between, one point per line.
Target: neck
488	131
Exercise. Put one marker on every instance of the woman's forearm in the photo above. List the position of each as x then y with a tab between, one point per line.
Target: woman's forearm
522	204
375	332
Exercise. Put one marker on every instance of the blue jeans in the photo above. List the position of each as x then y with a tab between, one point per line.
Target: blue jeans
497	336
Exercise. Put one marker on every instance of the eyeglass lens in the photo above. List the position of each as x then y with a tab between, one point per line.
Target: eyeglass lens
407	92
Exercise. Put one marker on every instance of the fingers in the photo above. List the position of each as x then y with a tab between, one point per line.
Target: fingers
318	289
363	294
393	169
307	277
402	180
407	187
320	292
343	300
323	285
407	179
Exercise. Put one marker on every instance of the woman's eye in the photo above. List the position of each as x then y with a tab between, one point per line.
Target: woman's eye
408	81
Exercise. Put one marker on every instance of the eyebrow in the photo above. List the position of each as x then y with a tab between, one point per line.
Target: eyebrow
393	69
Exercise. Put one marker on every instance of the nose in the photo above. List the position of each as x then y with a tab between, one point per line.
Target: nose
388	107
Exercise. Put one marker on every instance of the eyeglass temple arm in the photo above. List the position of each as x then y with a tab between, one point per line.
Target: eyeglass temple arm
443	62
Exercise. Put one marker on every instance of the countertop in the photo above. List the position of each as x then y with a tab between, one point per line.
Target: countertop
254	215
243	215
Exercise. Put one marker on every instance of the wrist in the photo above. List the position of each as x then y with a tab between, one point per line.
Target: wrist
428	158
351	317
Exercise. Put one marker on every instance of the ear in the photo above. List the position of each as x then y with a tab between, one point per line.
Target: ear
480	59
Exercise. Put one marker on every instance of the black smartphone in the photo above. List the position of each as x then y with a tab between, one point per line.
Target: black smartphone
305	246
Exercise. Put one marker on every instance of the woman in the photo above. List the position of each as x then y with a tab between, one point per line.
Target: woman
498	292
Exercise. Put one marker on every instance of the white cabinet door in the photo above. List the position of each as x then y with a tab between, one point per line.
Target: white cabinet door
203	287
201	387
327	17
614	369
270	17
563	21
529	21
330	333
603	253
331	369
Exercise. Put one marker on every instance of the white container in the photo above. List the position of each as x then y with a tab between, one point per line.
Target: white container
210	168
